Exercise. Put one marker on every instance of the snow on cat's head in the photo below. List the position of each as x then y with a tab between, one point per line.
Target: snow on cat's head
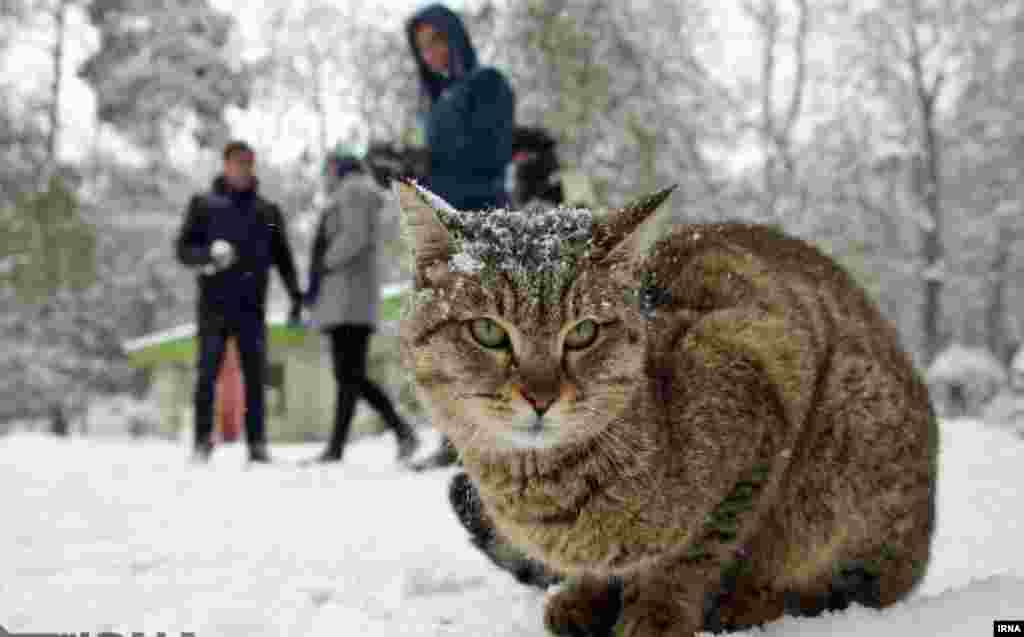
535	240
530	240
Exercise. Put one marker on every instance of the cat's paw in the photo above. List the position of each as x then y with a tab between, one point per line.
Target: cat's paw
656	621
647	617
586	607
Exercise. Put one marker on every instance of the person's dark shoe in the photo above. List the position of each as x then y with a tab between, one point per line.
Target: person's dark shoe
408	445
259	454
445	456
202	451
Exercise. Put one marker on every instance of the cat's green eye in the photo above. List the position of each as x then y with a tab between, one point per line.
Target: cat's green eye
581	336
488	333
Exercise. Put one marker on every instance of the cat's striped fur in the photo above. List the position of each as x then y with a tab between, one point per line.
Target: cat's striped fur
744	433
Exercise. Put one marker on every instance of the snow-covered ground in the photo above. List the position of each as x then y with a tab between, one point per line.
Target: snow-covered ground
122	535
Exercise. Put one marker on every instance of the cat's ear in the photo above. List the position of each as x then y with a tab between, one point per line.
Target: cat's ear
622	233
430	241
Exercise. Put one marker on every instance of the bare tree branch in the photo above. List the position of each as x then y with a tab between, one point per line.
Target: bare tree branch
800	68
770	36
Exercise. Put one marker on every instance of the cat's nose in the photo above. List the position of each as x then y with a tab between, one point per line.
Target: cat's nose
540	404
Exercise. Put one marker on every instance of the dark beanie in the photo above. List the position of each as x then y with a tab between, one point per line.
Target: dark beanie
343	165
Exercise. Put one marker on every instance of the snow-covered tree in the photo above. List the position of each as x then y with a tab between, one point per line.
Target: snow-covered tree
67	347
315	69
624	90
897	69
45	245
987	179
23	139
163	68
779	106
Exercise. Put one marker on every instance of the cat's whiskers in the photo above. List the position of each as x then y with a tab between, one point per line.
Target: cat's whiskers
614	440
476	433
478	395
613	444
589	409
616	394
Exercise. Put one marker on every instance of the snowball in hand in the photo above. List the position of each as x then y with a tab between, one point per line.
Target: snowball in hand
222	252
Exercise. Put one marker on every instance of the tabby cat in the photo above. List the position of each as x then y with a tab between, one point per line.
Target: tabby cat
701	431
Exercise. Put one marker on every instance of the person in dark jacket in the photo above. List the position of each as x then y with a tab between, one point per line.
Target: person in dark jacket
232	236
468	112
343	296
535	168
537	177
468	120
388	162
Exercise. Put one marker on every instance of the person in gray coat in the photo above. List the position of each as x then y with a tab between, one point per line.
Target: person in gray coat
343	297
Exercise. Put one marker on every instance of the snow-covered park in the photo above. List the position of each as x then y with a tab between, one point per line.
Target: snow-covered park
128	536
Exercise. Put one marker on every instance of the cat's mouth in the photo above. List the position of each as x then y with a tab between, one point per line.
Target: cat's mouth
533	432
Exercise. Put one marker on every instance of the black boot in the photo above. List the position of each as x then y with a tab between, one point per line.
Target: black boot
445	456
408	443
344	409
202	451
258	454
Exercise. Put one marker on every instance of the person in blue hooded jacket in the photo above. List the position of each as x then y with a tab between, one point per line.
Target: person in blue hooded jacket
468	121
468	116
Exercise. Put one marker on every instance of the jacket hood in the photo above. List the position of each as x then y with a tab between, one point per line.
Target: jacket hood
461	55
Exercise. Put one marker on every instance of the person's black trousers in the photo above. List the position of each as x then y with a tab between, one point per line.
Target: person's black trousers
349	347
251	336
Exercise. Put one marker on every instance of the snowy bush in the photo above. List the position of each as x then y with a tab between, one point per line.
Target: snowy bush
963	379
122	415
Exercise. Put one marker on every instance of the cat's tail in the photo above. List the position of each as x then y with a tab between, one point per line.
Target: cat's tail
465	501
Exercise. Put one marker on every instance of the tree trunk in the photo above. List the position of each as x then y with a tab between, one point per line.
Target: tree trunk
927	180
59	421
317	102
933	253
778	120
53	137
769	22
995	323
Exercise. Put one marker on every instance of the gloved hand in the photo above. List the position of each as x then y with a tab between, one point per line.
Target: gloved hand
222	253
308	298
295	314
